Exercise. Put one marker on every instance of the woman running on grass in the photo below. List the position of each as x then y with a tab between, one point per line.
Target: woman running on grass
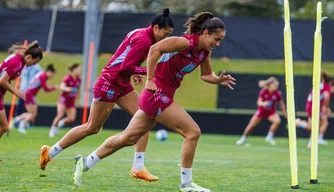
10	69
266	103
325	96
38	82
179	56
66	103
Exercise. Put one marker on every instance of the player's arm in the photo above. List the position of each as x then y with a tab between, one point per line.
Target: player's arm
45	87
64	88
261	103
168	45
325	108
283	108
138	48
4	82
207	75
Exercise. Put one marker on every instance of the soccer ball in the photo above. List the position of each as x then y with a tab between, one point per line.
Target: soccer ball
161	135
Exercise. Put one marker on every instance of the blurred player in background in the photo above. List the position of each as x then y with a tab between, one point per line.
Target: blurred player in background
179	56
66	103
266	103
113	86
325	96
27	75
10	69
39	81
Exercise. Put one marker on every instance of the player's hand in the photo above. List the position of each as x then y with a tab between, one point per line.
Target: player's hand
56	86
265	103
21	95
69	89
138	79
151	86
226	80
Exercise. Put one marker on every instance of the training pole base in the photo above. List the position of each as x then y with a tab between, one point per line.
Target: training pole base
314	181
295	187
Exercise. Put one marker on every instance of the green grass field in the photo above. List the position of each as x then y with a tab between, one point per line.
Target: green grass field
206	94
219	165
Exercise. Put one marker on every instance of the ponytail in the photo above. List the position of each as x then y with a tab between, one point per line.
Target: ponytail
202	21
74	66
32	49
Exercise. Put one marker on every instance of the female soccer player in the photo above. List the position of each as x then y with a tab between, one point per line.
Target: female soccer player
10	69
180	56
266	103
66	103
39	81
325	96
114	87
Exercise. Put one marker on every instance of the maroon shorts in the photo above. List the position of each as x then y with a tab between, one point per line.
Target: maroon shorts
309	111
153	104
264	114
108	92
69	102
30	99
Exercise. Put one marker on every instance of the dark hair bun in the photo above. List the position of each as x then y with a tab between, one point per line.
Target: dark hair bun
166	12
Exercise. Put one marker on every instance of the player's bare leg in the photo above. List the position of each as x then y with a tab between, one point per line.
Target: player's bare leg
139	125
275	122
99	113
3	123
129	103
250	127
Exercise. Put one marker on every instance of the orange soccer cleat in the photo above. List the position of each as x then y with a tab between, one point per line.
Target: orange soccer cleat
44	157
143	174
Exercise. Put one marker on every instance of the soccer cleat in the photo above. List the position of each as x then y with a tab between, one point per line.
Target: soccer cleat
143	174
240	141
53	132
44	157
192	187
322	142
271	141
79	169
22	131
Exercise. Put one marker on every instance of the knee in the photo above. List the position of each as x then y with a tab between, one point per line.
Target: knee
277	121
70	119
194	133
91	128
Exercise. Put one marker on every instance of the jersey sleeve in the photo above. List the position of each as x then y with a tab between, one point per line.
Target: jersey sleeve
44	85
261	94
139	47
66	80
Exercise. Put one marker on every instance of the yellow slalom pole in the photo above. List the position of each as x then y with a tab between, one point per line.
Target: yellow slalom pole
290	96
316	96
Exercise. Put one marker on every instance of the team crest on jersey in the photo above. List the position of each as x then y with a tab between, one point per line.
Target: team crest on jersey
164	98
110	94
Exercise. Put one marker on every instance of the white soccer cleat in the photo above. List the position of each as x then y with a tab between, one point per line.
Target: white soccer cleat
79	170
240	141
192	187
22	131
271	141
322	142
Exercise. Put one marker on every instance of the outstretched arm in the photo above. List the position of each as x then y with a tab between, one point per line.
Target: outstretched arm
209	76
